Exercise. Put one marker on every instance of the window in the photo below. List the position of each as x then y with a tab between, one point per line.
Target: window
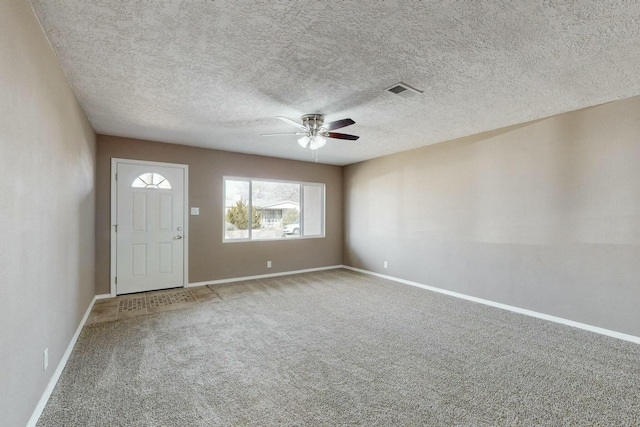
151	180
258	209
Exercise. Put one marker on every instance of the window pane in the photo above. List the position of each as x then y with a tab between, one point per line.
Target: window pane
151	180
312	210
276	205
268	210
236	225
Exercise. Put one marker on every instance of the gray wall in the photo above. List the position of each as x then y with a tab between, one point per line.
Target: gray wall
544	216
47	158
209	258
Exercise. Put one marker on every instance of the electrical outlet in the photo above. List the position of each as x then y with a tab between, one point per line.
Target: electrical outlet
268	264
45	359
386	264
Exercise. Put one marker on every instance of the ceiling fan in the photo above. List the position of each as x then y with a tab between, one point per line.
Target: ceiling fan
314	130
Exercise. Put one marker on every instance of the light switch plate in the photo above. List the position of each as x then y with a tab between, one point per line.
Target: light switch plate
195	211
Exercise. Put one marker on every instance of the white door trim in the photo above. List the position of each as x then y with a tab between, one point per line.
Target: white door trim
114	216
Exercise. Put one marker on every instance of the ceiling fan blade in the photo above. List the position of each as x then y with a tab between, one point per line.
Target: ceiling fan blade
342	136
338	124
291	122
286	133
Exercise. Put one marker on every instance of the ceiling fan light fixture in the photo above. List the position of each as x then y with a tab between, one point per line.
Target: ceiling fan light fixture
317	142
304	141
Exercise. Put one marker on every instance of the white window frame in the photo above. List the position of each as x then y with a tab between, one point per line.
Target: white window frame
301	211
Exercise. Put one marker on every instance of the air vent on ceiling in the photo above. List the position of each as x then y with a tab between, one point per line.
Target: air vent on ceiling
404	90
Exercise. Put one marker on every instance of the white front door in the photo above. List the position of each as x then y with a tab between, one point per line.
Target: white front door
149	226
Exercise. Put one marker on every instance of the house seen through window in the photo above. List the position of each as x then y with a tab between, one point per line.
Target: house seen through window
256	209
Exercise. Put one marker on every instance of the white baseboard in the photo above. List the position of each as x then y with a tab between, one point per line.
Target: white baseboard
63	362
590	328
262	276
103	296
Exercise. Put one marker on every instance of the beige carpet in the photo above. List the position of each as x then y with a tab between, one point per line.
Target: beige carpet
341	348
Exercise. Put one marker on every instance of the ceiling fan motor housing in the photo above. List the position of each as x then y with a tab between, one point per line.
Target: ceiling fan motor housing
313	121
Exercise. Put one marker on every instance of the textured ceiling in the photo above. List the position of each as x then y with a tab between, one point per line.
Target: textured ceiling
214	73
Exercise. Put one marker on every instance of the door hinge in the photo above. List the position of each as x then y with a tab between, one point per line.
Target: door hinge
116	280
116	176
116	226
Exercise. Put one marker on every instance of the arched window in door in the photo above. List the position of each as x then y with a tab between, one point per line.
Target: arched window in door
151	180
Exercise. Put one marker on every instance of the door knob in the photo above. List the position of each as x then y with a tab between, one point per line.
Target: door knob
177	237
